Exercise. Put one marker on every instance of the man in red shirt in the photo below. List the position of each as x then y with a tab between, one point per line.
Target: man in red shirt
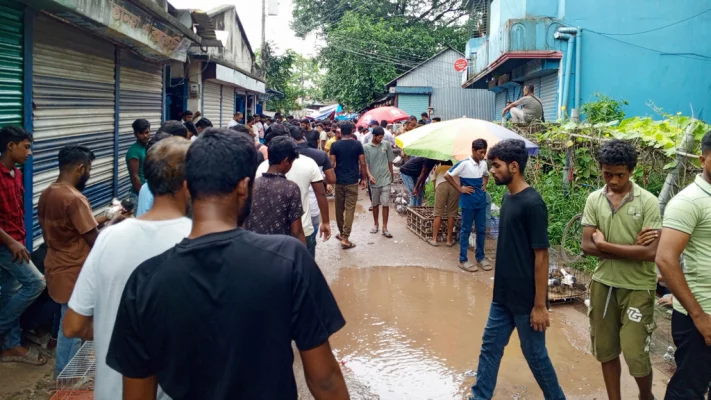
20	280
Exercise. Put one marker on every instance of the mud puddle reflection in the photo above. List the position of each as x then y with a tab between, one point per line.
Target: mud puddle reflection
415	333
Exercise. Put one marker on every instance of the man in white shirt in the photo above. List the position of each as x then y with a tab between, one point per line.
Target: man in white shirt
121	248
235	120
389	137
305	173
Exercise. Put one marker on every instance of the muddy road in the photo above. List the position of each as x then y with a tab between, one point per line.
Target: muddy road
414	327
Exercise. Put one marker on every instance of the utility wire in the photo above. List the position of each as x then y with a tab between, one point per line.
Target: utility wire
655	29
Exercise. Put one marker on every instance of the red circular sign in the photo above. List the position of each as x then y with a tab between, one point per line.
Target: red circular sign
461	64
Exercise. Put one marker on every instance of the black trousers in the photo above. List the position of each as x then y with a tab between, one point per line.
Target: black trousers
693	361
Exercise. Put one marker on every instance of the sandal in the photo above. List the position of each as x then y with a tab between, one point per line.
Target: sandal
348	246
387	234
467	266
339	237
450	244
374	230
433	243
33	357
486	265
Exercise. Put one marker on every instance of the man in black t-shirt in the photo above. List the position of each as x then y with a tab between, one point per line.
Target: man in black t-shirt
521	278
414	175
348	159
312	136
214	317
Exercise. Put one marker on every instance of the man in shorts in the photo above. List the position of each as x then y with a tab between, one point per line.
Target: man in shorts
622	292
446	204
379	165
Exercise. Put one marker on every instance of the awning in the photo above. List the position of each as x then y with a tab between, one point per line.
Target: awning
507	63
232	77
156	35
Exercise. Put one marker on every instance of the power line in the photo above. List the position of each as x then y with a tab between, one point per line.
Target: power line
691	56
655	29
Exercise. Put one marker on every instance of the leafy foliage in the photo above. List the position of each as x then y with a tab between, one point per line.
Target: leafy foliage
362	54
292	74
605	109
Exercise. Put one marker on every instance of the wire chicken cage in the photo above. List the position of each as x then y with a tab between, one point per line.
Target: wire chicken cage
76	381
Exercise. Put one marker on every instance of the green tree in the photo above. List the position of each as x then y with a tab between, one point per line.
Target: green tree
364	52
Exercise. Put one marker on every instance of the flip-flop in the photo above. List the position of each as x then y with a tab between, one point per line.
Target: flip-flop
450	244
339	237
348	246
433	243
467	266
486	265
374	230
33	357
387	234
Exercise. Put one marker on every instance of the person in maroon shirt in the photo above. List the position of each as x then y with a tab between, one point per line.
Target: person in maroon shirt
20	280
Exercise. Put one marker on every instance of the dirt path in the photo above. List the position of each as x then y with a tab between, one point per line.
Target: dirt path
414	327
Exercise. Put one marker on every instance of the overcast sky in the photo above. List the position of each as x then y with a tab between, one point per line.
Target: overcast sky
250	13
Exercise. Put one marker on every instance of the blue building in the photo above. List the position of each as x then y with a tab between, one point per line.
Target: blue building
648	52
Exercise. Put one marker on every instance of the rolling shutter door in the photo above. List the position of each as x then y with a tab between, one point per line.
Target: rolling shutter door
211	93
499	105
549	96
73	95
228	104
140	96
11	63
413	104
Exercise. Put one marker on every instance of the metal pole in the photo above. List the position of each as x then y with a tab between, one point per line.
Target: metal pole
264	37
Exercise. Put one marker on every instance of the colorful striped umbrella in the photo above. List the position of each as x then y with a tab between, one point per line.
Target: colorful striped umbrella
452	140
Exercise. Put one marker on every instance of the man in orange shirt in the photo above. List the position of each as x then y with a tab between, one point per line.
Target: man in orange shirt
69	230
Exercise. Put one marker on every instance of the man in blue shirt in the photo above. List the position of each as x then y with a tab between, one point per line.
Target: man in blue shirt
473	176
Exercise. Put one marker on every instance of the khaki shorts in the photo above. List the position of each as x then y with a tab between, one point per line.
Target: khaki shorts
446	201
625	328
381	196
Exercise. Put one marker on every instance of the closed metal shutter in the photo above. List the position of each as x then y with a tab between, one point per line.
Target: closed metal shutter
73	95
228	104
500	104
11	63
140	96
211	94
413	104
549	96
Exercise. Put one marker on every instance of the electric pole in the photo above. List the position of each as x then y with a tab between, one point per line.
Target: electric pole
264	38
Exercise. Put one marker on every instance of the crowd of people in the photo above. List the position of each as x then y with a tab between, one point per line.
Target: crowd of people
157	293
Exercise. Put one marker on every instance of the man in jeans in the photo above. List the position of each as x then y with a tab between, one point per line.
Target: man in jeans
318	203
379	163
69	230
414	175
521	277
348	159
20	281
622	298
687	229
474	177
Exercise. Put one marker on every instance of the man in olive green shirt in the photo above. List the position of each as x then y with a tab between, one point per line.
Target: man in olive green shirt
379	163
687	228
622	292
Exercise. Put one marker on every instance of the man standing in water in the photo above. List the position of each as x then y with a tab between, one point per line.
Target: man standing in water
687	229
623	284
474	177
521	279
189	293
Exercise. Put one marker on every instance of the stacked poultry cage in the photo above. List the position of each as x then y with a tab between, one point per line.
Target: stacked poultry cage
421	219
76	381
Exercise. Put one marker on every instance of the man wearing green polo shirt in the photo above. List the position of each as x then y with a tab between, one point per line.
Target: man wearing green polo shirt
622	292
687	229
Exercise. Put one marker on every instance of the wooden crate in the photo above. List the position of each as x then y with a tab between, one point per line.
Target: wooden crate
420	220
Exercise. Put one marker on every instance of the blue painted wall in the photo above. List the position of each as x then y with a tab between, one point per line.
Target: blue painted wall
669	67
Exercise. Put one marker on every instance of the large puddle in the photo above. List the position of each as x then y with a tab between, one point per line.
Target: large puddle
415	333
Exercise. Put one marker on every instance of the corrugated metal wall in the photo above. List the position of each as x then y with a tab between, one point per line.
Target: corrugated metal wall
549	96
11	63
141	89
228	104
455	102
73	95
449	99
500	105
211	93
413	104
